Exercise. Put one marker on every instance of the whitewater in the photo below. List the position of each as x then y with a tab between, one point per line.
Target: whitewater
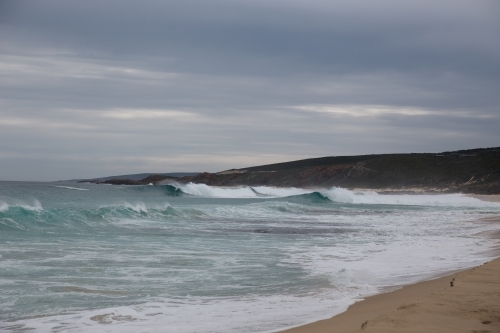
78	257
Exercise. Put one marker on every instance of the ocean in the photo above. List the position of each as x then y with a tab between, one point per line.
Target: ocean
78	257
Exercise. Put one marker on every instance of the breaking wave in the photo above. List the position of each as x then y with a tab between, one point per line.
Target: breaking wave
372	198
218	192
26	217
36	207
268	202
334	194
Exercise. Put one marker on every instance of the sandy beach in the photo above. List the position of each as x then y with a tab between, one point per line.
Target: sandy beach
472	304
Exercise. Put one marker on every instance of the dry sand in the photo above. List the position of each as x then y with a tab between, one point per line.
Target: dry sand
472	305
484	197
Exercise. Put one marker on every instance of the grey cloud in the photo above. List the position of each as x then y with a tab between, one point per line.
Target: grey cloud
240	37
220	83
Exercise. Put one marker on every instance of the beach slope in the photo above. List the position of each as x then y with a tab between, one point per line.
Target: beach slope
472	304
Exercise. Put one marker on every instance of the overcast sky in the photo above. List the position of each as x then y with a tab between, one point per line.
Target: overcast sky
96	88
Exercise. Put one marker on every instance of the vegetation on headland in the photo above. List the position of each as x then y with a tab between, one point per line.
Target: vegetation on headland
467	171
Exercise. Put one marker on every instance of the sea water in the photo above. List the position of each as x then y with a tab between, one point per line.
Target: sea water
193	258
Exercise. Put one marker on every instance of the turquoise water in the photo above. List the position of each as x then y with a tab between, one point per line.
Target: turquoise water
192	258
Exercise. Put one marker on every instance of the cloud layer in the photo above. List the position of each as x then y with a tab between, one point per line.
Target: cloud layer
95	88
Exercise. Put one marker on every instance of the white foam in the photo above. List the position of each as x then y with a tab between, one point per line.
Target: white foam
3	206
138	207
409	259
337	194
37	206
72	188
218	192
341	195
12	224
161	207
280	191
241	192
200	315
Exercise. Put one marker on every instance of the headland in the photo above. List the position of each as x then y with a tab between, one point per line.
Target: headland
474	171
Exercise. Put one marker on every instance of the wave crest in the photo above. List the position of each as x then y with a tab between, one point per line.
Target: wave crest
36	207
334	194
341	195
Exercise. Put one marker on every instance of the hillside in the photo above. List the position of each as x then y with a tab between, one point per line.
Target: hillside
470	171
135	177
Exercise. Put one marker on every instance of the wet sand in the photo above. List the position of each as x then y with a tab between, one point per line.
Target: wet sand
471	305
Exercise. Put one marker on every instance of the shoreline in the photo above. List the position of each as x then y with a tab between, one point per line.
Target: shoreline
393	311
413	308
